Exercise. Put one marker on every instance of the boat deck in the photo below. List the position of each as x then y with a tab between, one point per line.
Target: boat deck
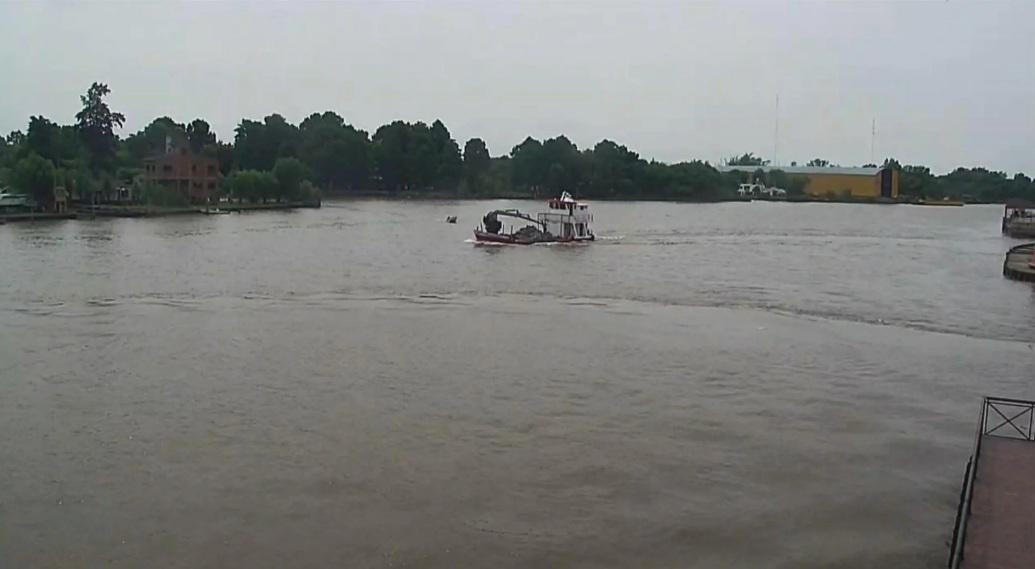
996	524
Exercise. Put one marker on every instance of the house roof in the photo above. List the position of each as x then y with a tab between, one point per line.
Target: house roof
839	171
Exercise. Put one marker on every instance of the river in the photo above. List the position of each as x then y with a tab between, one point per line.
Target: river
730	385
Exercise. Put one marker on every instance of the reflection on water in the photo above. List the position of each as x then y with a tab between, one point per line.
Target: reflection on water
729	385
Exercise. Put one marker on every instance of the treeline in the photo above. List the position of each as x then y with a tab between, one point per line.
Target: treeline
969	184
400	158
917	182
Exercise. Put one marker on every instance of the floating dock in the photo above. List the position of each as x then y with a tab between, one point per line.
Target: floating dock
994	521
1018	263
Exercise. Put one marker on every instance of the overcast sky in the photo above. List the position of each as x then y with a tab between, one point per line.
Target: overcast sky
949	83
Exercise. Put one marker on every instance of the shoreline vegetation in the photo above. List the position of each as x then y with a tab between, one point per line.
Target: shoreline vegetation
275	164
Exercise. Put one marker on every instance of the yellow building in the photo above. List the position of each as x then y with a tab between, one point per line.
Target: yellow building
835	182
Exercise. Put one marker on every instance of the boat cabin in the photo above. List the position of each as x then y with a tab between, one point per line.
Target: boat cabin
567	219
1019	218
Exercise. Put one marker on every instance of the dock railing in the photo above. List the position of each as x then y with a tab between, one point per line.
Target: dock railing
1000	417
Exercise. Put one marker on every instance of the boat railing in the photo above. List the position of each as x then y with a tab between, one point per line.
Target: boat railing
1009	418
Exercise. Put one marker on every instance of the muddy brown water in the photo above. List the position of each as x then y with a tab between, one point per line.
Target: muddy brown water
730	385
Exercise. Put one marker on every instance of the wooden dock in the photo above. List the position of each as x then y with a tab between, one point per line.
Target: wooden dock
995	522
1017	264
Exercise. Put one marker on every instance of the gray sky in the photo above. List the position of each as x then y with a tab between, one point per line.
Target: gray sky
949	83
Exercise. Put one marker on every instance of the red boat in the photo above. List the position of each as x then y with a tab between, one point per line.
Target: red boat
568	220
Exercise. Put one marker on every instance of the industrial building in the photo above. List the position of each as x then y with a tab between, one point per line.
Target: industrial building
837	182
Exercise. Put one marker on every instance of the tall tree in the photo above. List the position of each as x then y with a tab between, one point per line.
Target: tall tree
199	135
42	137
52	141
476	163
337	153
528	167
449	165
565	170
154	138
614	170
392	155
224	153
258	145
96	124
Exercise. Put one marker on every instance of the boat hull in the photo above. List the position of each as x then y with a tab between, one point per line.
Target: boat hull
486	237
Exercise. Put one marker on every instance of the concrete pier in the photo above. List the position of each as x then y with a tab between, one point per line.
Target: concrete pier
1017	264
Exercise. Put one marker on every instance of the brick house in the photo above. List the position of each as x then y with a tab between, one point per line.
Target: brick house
194	176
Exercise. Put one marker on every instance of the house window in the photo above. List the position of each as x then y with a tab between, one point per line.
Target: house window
193	168
167	169
211	170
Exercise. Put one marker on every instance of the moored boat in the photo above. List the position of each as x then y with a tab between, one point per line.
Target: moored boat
566	221
1019	218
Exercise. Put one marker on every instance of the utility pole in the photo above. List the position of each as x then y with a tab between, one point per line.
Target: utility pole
873	137
776	133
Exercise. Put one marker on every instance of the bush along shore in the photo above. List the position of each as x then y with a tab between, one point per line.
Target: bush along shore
59	168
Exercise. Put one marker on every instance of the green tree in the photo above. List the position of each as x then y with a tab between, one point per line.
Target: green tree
476	163
408	157
42	137
818	163
391	150
917	182
528	165
564	165
247	185
96	124
35	176
258	145
224	154
266	186
199	135
336	153
154	139
54	142
448	164
289	174
614	171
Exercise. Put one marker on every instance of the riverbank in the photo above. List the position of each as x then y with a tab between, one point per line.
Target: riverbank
159	211
36	216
